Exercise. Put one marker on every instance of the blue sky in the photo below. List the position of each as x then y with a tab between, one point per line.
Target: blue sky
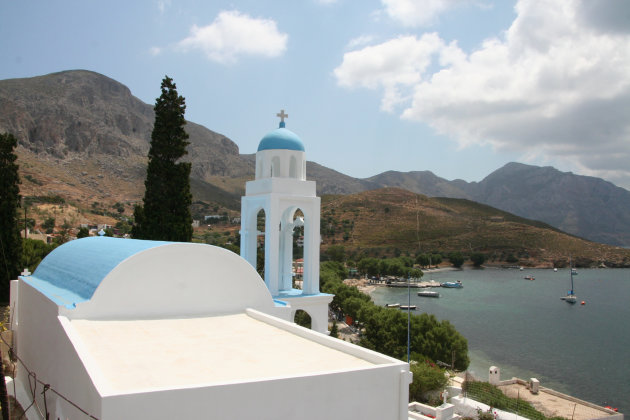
457	87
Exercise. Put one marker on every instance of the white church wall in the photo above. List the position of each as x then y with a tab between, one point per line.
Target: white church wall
175	280
13	300
280	163
287	186
365	394
45	349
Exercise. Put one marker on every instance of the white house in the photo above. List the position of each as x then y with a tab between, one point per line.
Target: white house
132	329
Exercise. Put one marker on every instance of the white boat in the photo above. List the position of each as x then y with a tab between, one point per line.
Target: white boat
570	297
392	305
530	277
429	293
452	284
406	307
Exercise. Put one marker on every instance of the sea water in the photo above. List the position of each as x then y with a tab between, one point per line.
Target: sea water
522	326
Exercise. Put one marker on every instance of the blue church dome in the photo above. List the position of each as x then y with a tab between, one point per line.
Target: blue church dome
281	138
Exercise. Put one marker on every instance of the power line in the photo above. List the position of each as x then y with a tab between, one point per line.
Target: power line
47	387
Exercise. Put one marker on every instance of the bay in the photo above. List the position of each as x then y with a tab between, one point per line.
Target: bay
524	328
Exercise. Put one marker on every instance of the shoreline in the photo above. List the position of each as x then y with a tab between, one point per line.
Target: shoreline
367	286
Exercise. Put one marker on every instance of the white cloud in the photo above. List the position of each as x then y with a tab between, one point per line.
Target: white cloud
155	51
360	41
555	86
418	12
234	34
392	65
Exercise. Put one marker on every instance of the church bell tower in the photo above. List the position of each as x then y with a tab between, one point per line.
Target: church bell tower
280	190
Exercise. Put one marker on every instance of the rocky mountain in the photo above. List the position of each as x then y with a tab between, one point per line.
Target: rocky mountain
584	206
422	182
75	116
85	136
79	115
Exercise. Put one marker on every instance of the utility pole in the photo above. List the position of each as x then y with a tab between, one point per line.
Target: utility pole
25	228
408	317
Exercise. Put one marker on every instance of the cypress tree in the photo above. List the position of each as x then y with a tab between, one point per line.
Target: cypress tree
10	240
165	213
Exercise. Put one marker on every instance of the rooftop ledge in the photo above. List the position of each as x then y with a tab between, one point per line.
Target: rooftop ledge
296	293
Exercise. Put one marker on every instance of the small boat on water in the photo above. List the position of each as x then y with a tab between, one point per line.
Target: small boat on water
530	277
392	305
452	284
429	293
570	297
406	307
574	271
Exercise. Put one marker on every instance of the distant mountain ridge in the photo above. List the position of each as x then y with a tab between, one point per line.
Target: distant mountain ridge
86	134
584	206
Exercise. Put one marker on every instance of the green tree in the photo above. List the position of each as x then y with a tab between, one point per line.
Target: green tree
165	213
436	259
368	266
477	259
334	330
415	273
49	224
63	235
302	318
123	227
336	253
456	258
422	260
10	240
426	377
34	252
83	233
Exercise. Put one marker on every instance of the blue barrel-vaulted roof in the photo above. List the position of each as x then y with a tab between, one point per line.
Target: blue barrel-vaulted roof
71	273
281	138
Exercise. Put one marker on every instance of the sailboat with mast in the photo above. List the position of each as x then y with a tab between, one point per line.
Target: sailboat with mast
570	297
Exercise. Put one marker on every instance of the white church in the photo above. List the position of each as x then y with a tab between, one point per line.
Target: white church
112	328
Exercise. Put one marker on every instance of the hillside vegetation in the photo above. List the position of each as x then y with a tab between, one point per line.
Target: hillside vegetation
393	221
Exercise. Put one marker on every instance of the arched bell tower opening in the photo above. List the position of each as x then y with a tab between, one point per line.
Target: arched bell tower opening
302	318
260	243
289	203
